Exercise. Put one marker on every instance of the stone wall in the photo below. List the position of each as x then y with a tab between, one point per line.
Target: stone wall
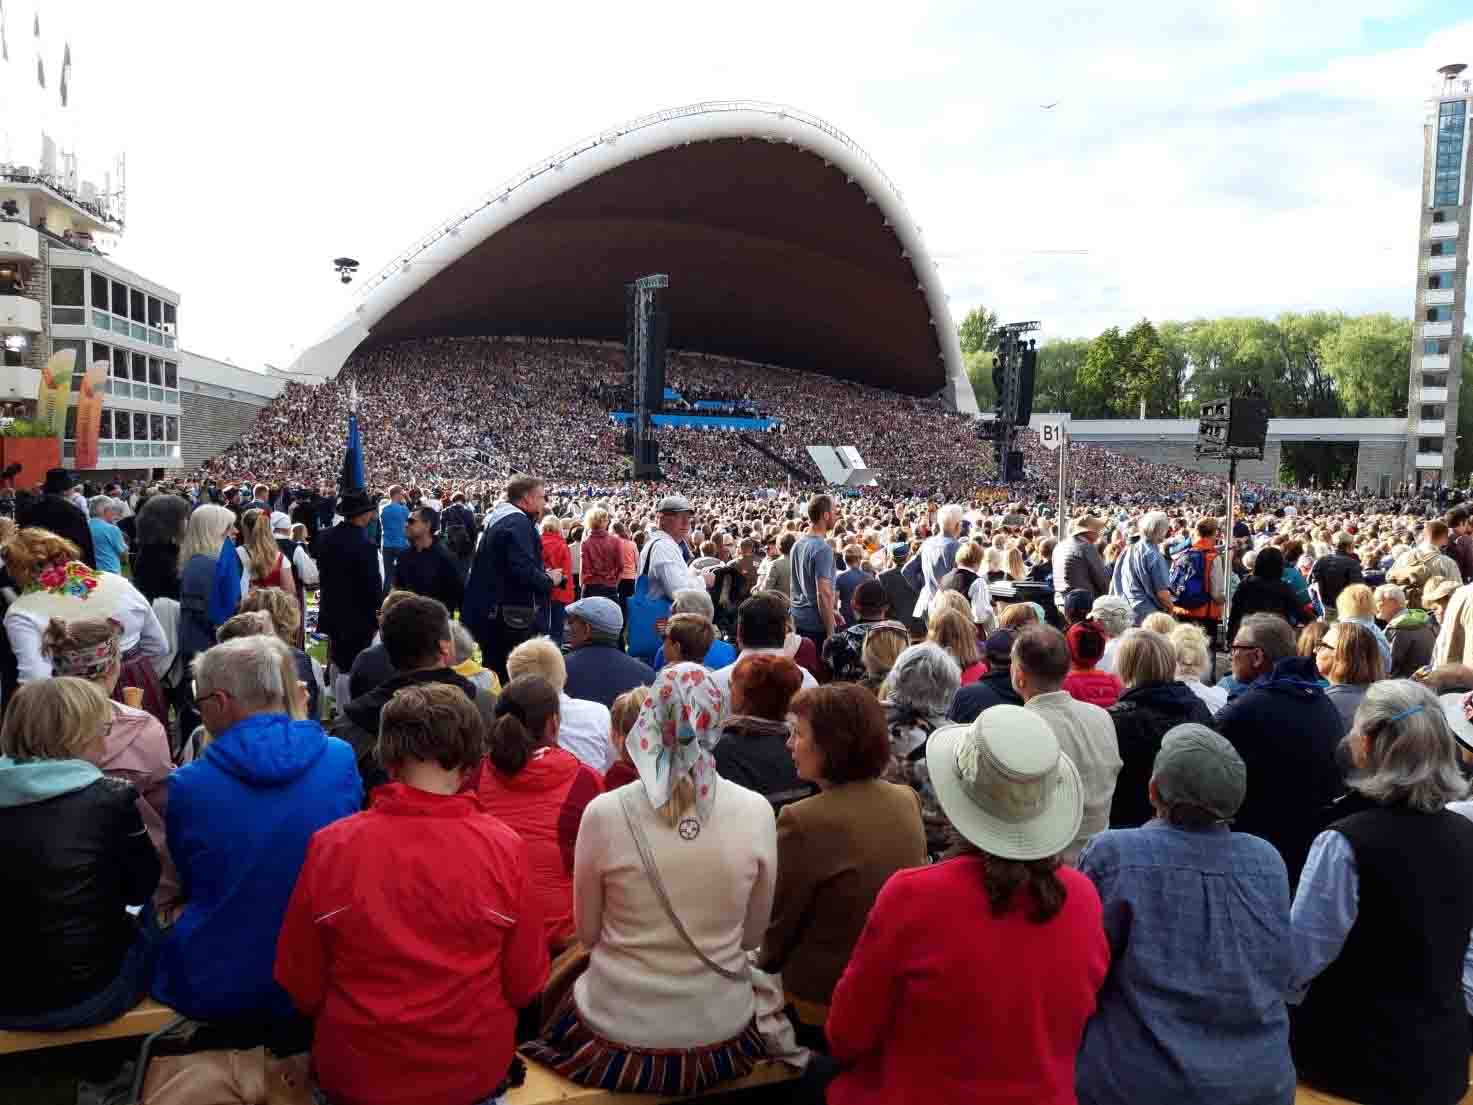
1184	455
208	424
1374	462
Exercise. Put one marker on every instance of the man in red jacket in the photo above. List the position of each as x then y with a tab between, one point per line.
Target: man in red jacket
413	936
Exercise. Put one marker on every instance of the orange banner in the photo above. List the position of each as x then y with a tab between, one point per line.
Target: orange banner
55	392
89	414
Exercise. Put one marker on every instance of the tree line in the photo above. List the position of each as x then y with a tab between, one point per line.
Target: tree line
1323	364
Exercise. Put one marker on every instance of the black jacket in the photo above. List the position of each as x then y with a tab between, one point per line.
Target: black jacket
1257	595
754	753
156	570
993	689
431	572
1142	716
1333	573
1287	730
902	598
61	517
68	866
359	723
507	570
351	585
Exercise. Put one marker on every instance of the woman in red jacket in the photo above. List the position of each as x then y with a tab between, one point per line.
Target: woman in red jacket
413	935
1085	682
974	977
556	554
539	791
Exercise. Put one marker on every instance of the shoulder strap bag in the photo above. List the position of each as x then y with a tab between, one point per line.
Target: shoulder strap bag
626	799
645	610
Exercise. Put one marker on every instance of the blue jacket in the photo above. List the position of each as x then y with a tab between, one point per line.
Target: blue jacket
392	519
507	570
238	823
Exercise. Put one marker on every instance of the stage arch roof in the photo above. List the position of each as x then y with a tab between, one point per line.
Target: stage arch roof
783	240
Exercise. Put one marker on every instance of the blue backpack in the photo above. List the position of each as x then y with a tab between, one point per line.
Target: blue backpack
1188	585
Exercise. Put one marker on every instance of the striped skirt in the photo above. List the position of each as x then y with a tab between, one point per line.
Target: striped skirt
581	1055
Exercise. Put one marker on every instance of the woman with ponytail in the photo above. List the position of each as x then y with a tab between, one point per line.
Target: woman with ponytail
539	790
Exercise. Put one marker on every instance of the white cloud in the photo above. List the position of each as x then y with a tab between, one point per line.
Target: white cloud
1243	156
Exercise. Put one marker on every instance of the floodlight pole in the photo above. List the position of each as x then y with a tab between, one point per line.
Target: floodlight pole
1228	543
1063	478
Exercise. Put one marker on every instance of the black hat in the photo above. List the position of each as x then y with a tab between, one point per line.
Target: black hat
353	503
59	481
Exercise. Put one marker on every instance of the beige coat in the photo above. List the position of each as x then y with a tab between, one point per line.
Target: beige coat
1455	638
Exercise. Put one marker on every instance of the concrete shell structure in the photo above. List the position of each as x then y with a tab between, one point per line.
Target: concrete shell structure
784	243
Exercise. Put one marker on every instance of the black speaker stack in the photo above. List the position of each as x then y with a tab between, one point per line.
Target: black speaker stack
1233	429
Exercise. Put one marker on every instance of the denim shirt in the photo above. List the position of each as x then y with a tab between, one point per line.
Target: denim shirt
1201	958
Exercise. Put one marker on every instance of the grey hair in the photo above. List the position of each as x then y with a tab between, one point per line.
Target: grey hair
1154	526
205	532
1113	613
248	669
99	503
924	677
1391	591
1409	750
463	642
950	515
693	602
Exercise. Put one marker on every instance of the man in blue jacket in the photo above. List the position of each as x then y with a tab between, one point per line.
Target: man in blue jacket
507	579
238	822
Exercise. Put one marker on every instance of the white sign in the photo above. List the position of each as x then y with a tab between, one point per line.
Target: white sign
1051	434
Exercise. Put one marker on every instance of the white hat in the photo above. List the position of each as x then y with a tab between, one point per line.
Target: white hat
1005	785
281	523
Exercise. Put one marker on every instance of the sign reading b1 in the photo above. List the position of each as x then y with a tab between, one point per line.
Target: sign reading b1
1051	434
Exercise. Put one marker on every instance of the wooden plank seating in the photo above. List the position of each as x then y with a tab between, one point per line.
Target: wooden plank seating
146	1017
545	1087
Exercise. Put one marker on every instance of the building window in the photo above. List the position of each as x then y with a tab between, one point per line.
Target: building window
1432	411
99	291
155	311
171	314
140	426
1437	216
136	309
171	374
1429	445
66	287
1433	347
1452	119
1439	314
1434	380
1443	247
120	300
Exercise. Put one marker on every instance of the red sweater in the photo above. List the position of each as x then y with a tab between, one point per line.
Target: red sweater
990	1010
1098	688
603	559
556	554
543	803
413	936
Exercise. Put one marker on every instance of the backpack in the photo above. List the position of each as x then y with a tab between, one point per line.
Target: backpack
458	532
1188	584
1412	574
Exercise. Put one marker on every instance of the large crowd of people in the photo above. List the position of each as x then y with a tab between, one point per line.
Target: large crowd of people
932	796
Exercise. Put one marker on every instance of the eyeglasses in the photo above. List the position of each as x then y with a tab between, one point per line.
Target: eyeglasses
1324	644
1243	648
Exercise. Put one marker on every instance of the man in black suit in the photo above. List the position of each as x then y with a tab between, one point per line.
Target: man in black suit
901	594
54	511
350	582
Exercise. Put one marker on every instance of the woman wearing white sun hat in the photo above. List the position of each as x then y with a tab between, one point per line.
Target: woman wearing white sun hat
974	977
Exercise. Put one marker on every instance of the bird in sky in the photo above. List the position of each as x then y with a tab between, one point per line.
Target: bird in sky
1049	107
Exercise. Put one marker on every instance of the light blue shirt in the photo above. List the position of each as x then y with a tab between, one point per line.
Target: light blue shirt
392	520
1140	573
109	544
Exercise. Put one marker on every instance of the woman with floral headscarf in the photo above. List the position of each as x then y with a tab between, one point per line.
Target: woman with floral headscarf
673	880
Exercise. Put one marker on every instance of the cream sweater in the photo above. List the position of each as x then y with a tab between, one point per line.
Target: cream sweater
644	987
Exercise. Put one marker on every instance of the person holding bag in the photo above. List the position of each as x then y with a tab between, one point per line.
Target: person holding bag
662	572
673	880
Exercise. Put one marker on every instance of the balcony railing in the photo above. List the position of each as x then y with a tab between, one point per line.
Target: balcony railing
19	242
19	313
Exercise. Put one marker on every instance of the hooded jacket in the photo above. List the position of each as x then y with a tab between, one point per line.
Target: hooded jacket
238	822
507	570
753	751
1142	715
1412	634
543	804
361	717
1286	729
73	853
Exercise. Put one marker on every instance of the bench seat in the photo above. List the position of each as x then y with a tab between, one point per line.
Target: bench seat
145	1017
544	1086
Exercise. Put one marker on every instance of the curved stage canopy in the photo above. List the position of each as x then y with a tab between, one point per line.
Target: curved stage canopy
784	243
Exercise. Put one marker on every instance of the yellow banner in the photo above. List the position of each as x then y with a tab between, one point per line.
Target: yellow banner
54	394
89	414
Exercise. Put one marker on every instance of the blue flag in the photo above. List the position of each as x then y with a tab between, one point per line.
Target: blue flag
351	478
225	593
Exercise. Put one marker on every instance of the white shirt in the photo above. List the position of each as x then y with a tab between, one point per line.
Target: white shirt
583	729
1215	698
1107	658
114	598
722	676
1086	734
662	561
644	987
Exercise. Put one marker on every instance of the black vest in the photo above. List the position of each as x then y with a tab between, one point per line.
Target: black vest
1385	1023
959	580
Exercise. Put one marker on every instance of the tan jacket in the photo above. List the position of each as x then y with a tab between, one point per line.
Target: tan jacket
834	852
1455	638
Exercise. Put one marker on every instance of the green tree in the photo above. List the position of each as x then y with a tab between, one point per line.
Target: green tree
978	331
1098	384
979	370
1368	357
1055	385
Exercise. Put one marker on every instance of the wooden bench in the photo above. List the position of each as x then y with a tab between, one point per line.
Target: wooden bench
144	1019
544	1087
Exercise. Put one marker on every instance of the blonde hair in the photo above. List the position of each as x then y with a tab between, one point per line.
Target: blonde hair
625	710
1191	649
33	547
1160	622
261	548
1145	657
286	618
205	532
541	657
1018	615
969	556
955	633
942	601
254	623
54	719
882	646
1355	601
596	518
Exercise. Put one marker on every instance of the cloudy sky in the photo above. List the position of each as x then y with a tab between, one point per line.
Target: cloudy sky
1232	157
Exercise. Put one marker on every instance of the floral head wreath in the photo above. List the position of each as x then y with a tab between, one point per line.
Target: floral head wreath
89	661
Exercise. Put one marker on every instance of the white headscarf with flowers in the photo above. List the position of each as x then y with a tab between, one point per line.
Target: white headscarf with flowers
675	733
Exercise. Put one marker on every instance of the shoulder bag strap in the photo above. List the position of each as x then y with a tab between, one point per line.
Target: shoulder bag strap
648	859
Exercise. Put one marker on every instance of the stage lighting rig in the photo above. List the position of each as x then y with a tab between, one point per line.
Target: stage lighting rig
346	267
